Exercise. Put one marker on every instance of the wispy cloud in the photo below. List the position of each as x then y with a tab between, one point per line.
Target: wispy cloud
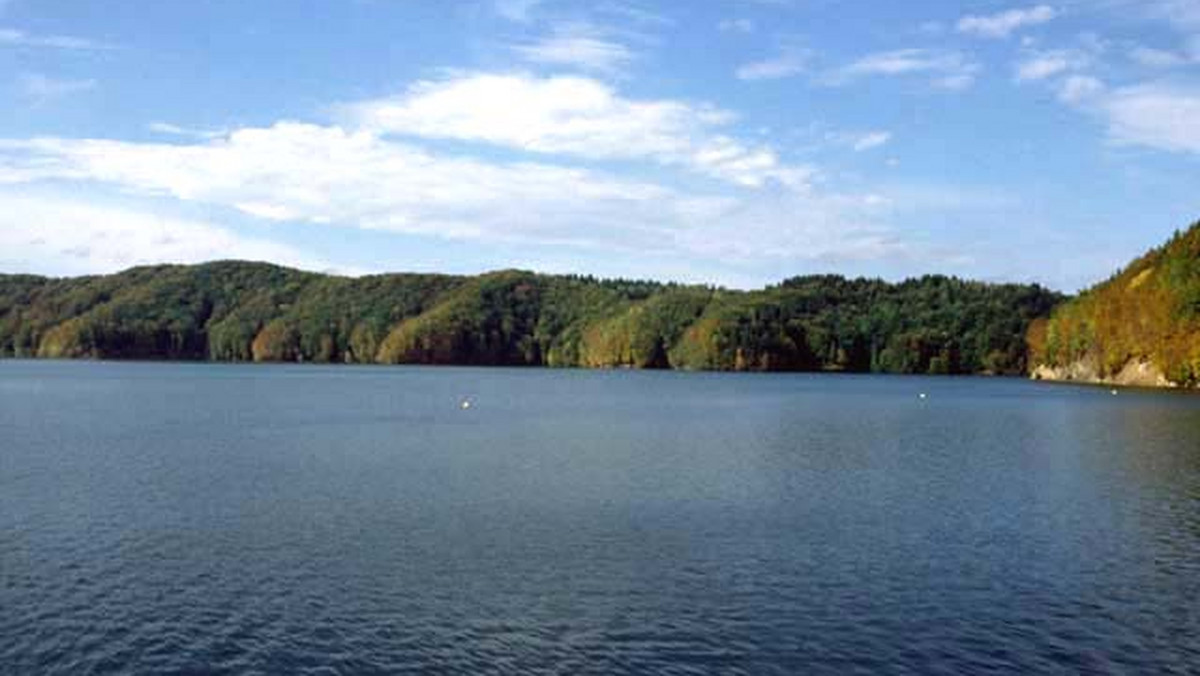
871	140
1003	24
168	129
1157	115
40	89
17	38
787	63
68	235
1162	58
1040	65
859	142
947	69
581	46
635	13
1160	115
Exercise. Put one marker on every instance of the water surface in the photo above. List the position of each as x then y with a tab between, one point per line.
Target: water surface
166	518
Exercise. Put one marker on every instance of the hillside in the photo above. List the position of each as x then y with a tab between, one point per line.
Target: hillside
1142	327
234	311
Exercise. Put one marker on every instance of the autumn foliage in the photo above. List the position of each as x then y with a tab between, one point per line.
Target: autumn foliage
1150	311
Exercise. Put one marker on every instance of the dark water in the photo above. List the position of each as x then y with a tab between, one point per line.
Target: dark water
200	519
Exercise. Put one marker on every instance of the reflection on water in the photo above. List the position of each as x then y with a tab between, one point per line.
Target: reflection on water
235	519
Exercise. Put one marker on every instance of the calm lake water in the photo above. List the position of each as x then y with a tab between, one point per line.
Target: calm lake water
205	519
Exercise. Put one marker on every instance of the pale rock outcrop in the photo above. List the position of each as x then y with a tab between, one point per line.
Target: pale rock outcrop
1135	373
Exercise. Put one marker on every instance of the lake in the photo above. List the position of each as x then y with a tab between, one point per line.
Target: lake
217	519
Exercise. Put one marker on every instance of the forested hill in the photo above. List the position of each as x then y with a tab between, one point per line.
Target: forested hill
234	311
1142	327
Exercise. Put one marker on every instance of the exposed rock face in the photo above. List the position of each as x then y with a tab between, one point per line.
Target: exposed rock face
1143	374
1135	373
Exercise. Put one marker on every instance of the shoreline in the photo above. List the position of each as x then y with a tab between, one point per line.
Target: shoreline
521	367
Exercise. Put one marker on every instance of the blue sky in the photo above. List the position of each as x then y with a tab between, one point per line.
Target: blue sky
729	141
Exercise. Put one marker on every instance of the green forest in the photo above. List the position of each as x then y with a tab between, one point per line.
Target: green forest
1150	311
242	312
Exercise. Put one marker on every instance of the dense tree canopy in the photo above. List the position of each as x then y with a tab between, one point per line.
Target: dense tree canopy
1150	311
232	311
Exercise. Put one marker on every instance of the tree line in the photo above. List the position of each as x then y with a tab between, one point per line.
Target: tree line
237	311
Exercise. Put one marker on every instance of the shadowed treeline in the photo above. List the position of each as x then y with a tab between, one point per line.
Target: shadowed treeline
235	311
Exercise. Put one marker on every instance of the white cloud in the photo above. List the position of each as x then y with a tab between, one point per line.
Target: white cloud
950	70
41	89
1159	115
579	46
1046	64
1003	24
62	235
384	169
788	63
16	38
1162	115
579	117
745	26
326	175
302	173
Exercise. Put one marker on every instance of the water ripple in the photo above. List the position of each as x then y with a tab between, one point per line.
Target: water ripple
779	525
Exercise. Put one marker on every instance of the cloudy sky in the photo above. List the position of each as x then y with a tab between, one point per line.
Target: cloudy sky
729	141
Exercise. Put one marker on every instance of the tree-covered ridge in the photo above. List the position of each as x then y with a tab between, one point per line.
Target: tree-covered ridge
233	311
1149	313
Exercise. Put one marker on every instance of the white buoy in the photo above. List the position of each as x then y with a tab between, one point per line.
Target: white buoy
924	396
1115	393
466	404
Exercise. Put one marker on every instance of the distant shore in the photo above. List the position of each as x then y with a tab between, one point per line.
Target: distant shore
234	311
